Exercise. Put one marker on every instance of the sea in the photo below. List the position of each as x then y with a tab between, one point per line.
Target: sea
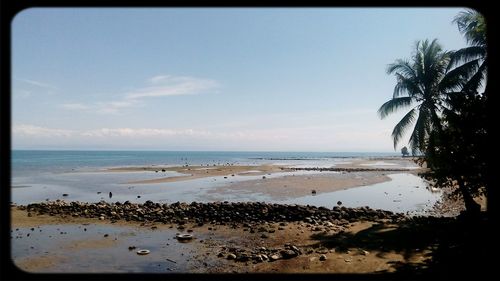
42	175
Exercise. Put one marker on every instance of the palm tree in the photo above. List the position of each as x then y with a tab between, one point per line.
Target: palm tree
468	65
420	84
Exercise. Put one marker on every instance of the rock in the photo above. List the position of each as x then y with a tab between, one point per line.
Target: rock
130	248
287	254
339	203
231	256
364	253
106	235
101	218
322	258
65	194
295	249
313	192
274	257
264	235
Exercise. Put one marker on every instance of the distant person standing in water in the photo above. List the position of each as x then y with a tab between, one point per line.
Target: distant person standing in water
110	194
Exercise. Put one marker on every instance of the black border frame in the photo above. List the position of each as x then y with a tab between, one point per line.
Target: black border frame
8	10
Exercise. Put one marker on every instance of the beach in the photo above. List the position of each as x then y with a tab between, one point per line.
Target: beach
211	248
233	240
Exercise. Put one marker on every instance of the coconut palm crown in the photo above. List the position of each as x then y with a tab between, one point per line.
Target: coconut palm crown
468	65
421	85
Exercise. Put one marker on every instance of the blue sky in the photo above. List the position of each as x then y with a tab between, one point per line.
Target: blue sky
295	79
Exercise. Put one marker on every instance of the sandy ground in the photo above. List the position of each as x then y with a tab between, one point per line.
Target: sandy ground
195	172
349	259
294	186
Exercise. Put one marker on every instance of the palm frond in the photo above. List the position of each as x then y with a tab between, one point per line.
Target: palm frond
401	66
456	78
409	86
466	54
402	126
394	104
417	138
476	81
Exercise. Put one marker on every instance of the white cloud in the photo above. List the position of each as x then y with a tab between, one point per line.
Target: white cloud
37	131
37	83
75	106
160	86
327	138
169	85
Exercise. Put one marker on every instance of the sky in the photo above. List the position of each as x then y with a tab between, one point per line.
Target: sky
215	79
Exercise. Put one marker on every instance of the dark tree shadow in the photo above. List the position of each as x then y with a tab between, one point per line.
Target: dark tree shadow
458	247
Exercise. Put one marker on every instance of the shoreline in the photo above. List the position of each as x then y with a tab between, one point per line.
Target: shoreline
312	240
263	245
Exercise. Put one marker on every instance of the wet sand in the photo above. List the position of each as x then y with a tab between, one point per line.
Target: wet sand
293	186
311	239
196	172
204	259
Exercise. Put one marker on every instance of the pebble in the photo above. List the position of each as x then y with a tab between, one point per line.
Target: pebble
239	213
322	257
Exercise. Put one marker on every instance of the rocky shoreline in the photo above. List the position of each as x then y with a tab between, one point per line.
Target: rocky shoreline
215	213
259	219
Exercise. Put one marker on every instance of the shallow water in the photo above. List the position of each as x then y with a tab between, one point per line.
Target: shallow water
111	256
40	176
400	194
403	193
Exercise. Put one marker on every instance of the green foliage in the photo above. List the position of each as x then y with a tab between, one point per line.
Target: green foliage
447	110
418	88
457	155
404	151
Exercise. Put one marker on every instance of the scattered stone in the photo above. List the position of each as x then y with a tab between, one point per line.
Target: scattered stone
339	203
106	235
224	213
274	257
130	248
322	258
313	192
231	256
288	254
65	194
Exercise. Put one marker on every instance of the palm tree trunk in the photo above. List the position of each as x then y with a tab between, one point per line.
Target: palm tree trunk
471	207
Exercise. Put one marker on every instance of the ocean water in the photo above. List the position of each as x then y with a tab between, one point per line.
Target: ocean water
47	175
62	161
